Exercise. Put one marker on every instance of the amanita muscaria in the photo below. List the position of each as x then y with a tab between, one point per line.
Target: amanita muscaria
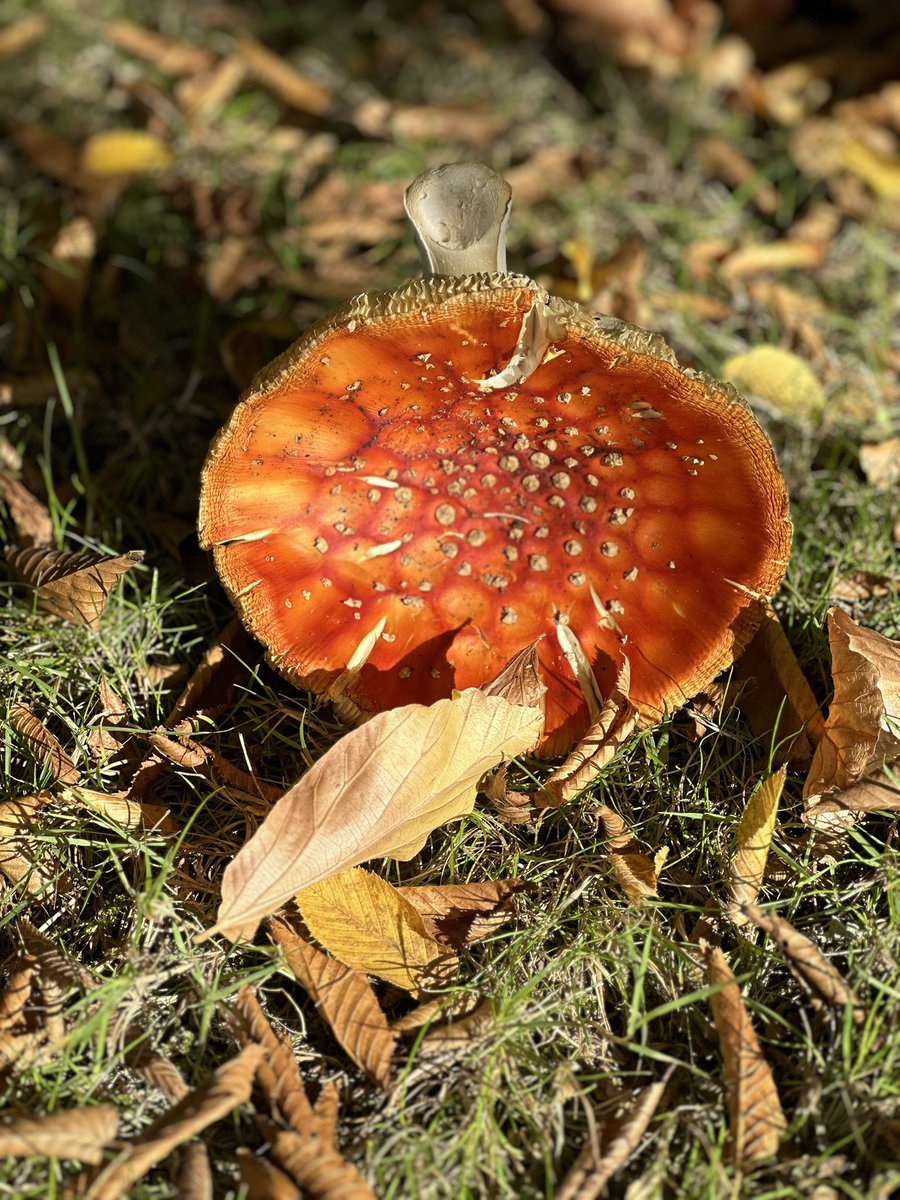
433	477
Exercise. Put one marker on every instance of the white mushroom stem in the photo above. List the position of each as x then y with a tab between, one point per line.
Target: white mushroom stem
460	212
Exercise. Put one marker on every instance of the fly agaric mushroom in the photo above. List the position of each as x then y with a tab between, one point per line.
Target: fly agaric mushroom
433	477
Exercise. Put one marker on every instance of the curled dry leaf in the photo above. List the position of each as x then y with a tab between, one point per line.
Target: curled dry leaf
20	859
366	924
31	519
344	998
193	1178
756	1122
754	836
104	742
775	694
808	960
42	745
864	585
263	1180
74	587
874	793
862	730
380	791
229	1086
460	914
81	1133
317	1166
278	1073
589	1175
123	810
166	54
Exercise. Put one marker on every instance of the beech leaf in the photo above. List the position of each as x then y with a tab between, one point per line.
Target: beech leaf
43	746
367	925
754	836
379	792
460	914
344	998
756	1122
31	518
80	1133
862	730
74	587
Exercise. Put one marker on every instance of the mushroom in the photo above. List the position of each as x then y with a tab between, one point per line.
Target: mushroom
431	478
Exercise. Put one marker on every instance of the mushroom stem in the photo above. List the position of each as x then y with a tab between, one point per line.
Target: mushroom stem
460	212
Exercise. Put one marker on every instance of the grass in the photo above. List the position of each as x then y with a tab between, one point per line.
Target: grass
591	998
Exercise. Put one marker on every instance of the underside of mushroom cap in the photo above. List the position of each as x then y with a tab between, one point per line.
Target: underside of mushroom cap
368	483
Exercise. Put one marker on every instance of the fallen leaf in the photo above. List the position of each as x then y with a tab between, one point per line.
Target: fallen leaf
229	1087
861	730
864	585
808	960
617	1140
106	738
319	1168
520	681
123	810
880	172
786	254
873	793
203	95
366	924
73	587
263	1180
124	152
278	1073
880	462
193	1180
166	54
756	1122
460	914
31	519
19	35
752	841
775	694
80	1133
637	874
20	979
282	80
779	378
379	792
344	998
456	1035
20	859
721	159
43	746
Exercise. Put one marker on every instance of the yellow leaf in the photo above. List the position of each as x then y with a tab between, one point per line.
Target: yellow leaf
124	152
379	792
779	378
367	925
881	172
754	835
755	1118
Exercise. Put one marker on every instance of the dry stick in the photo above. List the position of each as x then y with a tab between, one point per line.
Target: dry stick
588	1176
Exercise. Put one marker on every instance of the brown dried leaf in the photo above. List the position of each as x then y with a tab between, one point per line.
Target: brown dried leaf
751	850
31	519
20	980
278	1073
460	914
42	745
343	997
756	1122
203	95
636	874
264	1181
880	462
19	35
317	1167
861	731
212	685
449	1037
123	810
193	1179
79	1133
18	852
808	960
786	254
380	791
874	793
520	682
103	742
721	159
366	924
864	585
225	1090
588	1176
168	55
282	80
774	693
74	587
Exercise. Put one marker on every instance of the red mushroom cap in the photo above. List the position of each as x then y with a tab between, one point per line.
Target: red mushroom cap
368	483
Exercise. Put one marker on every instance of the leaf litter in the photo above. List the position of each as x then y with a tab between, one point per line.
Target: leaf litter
189	776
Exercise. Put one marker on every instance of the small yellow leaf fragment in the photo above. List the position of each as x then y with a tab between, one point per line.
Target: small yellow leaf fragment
754	836
755	1118
780	378
367	925
880	172
124	152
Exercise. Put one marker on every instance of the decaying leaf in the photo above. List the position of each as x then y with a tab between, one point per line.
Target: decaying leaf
775	695
282	80
19	856
786	254
880	462
229	1086
879	792
74	587
751	849
31	519
864	585
122	809
379	792
756	1122
460	914
166	54
862	730
101	741
19	35
193	1178
366	924
617	1140
808	960
316	1165
263	1180
344	998
519	682
119	152
781	379
81	1133
212	685
43	746
278	1073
